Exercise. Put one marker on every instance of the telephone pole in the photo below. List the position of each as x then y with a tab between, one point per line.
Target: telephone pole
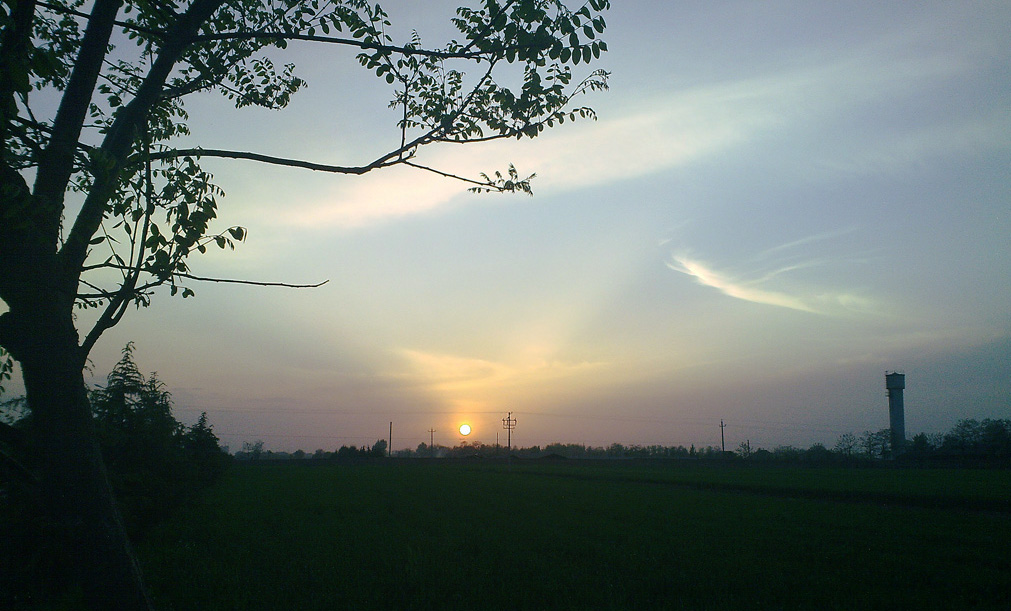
509	423
723	441
389	450
431	442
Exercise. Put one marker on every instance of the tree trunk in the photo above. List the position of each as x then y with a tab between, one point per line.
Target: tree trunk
76	492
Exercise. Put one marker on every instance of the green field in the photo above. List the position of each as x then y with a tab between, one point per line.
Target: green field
572	534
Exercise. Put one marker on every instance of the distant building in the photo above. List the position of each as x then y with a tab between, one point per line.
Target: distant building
896	383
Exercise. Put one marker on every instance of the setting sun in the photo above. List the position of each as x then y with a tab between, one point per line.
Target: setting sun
465	429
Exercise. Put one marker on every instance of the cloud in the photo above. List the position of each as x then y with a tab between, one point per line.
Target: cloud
460	380
450	372
818	237
640	135
750	285
632	142
735	288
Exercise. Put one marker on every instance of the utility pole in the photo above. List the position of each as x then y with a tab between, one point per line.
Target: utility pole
723	441
431	442
509	423
389	449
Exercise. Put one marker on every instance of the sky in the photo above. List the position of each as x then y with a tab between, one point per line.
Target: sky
779	202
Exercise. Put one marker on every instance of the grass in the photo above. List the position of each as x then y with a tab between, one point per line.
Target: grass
426	535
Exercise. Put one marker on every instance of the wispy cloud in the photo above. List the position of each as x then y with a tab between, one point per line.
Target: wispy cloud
733	287
818	237
752	284
461	380
622	147
642	135
632	141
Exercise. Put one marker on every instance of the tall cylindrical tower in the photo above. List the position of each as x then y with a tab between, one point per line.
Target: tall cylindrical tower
895	383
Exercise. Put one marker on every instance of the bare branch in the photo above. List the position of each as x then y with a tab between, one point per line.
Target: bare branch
294	163
99	293
351	42
486	185
187	276
251	282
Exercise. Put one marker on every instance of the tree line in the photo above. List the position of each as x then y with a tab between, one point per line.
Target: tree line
985	441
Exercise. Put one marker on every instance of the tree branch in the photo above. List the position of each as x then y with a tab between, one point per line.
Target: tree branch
351	42
56	164
485	185
123	24
188	276
119	301
15	53
294	163
120	137
251	282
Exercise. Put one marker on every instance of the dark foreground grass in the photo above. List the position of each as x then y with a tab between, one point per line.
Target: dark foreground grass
442	535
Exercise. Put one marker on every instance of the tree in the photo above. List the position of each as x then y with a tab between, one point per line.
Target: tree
252	450
154	461
142	204
133	417
846	445
919	447
204	450
970	437
876	445
345	452
818	453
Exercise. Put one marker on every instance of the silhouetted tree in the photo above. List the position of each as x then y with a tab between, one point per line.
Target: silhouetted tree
818	453
251	450
997	438
615	450
787	453
153	459
133	416
847	445
919	447
876	445
204	450
347	452
984	439
154	462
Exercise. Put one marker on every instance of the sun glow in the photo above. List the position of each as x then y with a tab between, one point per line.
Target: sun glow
465	429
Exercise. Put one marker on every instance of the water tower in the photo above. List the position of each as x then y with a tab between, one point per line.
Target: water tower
895	383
